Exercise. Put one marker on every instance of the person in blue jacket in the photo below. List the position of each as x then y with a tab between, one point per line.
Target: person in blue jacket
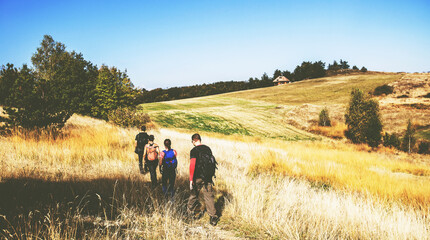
168	164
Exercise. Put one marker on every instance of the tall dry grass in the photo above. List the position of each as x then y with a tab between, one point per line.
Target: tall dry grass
344	168
86	185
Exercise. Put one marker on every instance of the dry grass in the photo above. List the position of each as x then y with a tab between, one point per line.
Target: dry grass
345	168
86	185
336	131
321	91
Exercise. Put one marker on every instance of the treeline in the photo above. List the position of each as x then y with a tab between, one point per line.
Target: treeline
60	84
306	70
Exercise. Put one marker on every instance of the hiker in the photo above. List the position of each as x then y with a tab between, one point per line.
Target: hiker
151	153
202	169
168	164
141	141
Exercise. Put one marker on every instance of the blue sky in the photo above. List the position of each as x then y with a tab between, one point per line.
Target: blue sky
179	43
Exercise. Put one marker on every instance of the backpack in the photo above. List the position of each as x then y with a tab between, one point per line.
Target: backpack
207	166
142	140
169	160
152	152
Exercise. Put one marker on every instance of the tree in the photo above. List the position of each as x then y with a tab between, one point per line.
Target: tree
424	147
276	74
354	68
363	69
363	120
408	140
28	103
8	76
309	70
62	83
72	79
334	67
344	64
266	81
324	118
113	90
288	75
391	140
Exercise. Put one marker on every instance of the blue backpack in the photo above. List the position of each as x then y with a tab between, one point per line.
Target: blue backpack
169	159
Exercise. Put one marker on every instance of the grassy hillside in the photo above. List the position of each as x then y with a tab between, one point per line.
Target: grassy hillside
329	90
264	112
86	185
225	115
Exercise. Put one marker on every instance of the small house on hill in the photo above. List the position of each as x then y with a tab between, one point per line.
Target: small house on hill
281	80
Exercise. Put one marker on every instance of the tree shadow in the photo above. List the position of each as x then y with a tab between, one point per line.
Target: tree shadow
25	203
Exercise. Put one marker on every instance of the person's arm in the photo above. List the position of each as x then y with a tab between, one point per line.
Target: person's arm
135	142
192	168
176	154
144	152
160	158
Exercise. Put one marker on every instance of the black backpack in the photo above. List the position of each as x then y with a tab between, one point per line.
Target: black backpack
207	166
142	140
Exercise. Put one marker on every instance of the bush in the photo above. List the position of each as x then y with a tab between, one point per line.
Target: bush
363	120
384	89
127	117
391	140
324	119
424	147
363	69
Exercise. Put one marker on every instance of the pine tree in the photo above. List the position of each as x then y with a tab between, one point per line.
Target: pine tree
363	120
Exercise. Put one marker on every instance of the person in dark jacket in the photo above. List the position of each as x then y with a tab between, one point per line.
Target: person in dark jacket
141	140
199	182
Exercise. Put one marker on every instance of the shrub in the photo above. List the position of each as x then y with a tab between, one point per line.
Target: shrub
384	89
127	117
363	120
424	147
324	118
363	69
391	140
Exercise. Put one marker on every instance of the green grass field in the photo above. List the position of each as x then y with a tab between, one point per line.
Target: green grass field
260	112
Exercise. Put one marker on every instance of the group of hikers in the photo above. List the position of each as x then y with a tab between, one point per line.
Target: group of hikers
202	169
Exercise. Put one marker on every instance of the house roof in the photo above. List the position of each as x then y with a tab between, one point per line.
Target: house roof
281	79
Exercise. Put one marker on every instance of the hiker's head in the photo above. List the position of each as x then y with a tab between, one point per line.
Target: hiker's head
143	128
151	138
196	139
168	144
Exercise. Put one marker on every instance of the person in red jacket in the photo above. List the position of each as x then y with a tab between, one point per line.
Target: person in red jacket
199	182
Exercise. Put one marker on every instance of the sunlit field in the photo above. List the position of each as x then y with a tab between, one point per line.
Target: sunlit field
278	112
85	184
